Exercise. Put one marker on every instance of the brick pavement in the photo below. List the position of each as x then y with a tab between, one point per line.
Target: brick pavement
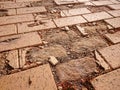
23	24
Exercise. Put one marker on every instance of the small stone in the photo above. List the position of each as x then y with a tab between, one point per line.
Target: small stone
53	60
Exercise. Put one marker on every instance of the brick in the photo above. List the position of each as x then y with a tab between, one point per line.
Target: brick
115	1
114	38
115	6
60	2
115	13
101	61
99	3
60	22
39	78
112	55
13	5
16	19
115	22
31	10
12	57
22	56
77	11
108	81
97	16
33	26
8	29
19	41
7	12
27	0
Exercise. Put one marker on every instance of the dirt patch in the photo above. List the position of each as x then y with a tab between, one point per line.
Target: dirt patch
37	54
76	69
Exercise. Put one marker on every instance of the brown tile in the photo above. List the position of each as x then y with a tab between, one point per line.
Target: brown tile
13	5
114	38
97	16
8	29
26	0
115	6
115	13
34	26
77	11
108	81
60	22
39	78
16	19
19	41
115	22
105	2
7	12
112	55
31	10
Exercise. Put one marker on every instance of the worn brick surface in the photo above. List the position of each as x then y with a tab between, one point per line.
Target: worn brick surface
114	38
16	19
105	2
115	22
97	16
77	11
112	55
115	6
39	78
60	22
8	29
33	26
18	41
108	81
115	13
31	10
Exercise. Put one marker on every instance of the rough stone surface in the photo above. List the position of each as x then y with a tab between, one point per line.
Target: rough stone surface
8	29
39	78
114	38
19	41
112	55
108	81
16	19
76	69
97	16
115	22
60	22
